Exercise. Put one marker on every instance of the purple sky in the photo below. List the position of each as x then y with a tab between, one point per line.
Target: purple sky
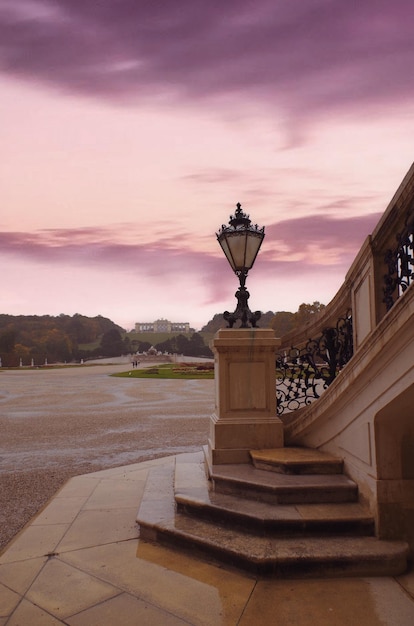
130	129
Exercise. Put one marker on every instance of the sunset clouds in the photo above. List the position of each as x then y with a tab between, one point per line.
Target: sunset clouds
288	238
306	56
130	129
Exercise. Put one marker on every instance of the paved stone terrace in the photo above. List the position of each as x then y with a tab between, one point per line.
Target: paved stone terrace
60	423
80	562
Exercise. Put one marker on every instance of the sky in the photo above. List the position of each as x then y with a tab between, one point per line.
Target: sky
129	130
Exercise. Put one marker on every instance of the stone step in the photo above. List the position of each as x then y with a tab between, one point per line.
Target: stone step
194	496
296	461
277	556
249	482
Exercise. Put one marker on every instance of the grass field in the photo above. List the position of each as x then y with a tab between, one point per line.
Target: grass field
173	370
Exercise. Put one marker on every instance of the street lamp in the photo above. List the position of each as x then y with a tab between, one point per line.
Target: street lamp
240	242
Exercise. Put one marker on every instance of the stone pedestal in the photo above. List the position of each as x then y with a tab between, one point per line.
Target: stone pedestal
245	411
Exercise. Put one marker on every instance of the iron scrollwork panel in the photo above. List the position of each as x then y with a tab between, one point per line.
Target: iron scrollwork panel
400	264
302	374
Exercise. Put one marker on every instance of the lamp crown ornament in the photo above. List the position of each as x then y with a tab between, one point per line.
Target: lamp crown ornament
239	218
240	242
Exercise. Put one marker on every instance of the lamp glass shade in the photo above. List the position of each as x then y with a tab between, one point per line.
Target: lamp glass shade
241	247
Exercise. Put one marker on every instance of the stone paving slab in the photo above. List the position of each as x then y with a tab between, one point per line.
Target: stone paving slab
70	578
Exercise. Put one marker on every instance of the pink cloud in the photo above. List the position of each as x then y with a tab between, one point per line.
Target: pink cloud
307	57
102	248
96	270
345	234
292	248
215	175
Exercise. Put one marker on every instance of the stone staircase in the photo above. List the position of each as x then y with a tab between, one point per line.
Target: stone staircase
291	513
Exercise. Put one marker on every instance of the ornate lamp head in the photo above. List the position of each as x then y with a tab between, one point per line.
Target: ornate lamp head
240	242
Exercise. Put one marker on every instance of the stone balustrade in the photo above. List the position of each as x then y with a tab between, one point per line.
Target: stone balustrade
366	415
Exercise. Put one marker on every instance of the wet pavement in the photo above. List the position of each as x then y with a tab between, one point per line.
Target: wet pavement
58	423
81	563
80	560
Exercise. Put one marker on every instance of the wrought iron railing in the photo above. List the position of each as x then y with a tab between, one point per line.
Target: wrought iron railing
400	263
381	273
303	373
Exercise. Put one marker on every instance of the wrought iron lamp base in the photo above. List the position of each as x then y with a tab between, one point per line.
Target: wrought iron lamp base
242	312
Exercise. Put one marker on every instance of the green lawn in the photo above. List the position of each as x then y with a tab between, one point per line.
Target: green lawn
152	338
185	371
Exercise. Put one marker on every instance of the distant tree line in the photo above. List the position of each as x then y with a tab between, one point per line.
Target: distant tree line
190	346
66	338
55	338
113	344
284	321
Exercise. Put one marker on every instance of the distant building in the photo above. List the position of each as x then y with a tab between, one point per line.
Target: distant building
162	326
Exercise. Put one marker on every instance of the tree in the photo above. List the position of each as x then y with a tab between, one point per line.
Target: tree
282	322
197	347
56	338
7	341
180	344
215	324
306	313
127	345
266	320
23	353
140	346
112	343
57	345
79	331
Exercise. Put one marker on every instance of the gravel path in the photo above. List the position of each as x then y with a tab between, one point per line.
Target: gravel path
59	423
